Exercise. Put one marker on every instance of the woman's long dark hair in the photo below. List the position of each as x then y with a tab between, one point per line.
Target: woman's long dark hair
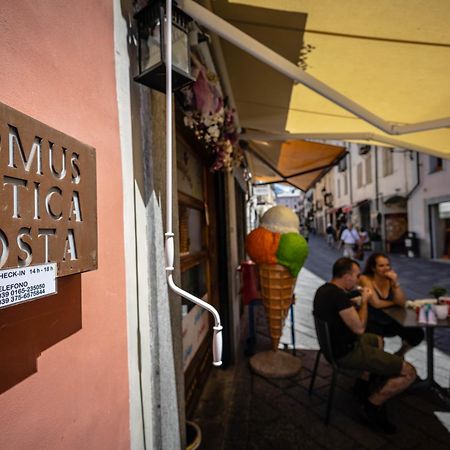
371	263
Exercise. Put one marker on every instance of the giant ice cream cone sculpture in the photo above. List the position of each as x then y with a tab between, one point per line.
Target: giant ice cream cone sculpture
277	287
280	252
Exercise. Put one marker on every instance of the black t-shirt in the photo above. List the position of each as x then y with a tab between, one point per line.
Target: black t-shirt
328	301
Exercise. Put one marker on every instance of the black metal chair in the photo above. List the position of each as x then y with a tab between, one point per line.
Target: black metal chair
323	336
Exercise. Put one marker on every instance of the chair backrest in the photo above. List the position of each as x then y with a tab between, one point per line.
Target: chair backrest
323	336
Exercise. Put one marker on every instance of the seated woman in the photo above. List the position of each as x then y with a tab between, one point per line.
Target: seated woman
386	291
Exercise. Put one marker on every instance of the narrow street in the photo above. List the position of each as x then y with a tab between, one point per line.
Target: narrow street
242	410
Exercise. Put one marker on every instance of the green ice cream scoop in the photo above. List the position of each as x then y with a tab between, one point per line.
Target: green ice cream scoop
292	252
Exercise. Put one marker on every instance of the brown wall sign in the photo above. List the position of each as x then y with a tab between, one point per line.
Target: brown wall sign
48	200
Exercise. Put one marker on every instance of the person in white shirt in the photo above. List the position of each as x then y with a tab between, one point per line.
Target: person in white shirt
349	238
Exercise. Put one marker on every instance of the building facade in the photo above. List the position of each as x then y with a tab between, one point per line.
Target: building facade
289	199
389	192
114	360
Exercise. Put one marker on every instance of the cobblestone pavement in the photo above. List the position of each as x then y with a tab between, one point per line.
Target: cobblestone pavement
241	410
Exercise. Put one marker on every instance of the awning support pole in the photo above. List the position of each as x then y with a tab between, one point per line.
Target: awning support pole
169	236
284	66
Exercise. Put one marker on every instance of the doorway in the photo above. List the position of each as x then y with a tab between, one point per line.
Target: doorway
439	214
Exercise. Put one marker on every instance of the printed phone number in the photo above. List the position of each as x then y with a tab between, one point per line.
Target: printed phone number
24	293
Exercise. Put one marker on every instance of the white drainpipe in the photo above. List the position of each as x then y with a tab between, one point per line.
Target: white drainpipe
169	248
284	66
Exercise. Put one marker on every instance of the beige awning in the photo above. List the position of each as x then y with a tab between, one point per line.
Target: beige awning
392	59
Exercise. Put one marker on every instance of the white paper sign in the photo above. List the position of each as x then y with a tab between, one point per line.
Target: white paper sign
27	283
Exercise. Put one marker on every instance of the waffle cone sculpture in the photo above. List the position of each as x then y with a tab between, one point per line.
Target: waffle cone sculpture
280	251
277	287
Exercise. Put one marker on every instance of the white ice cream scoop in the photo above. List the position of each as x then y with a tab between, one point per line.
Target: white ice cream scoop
280	219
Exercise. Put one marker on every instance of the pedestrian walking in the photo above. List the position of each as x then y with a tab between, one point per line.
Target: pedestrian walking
331	235
364	238
304	231
350	239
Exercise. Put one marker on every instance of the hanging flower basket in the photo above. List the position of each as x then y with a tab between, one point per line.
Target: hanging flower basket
207	113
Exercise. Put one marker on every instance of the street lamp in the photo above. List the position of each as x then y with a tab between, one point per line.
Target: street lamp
152	30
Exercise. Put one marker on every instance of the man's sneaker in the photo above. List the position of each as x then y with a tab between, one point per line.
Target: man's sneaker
376	416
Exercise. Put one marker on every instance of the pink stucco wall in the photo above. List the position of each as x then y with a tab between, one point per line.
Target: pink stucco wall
65	380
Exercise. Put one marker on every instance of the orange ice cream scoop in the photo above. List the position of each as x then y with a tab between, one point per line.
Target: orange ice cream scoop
262	246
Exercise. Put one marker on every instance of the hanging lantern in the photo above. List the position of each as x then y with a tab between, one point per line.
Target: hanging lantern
152	28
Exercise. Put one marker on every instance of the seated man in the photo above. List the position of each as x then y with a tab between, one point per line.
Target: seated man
355	349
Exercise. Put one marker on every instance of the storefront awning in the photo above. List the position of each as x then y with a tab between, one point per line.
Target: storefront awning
298	163
366	78
346	209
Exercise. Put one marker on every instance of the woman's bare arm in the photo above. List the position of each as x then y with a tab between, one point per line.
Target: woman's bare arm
399	295
375	301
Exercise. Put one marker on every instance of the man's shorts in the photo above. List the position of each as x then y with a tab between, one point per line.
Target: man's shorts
367	356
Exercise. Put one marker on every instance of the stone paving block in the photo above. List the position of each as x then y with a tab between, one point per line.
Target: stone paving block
328	434
324	370
264	390
406	436
230	444
344	402
237	431
412	416
289	406
263	412
325	436
282	434
319	382
343	390
300	394
358	431
308	364
212	435
431	444
259	445
239	402
425	401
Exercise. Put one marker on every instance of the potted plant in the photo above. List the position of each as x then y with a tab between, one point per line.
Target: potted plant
438	291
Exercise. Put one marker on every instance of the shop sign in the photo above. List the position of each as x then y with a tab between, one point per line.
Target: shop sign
25	284
48	197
